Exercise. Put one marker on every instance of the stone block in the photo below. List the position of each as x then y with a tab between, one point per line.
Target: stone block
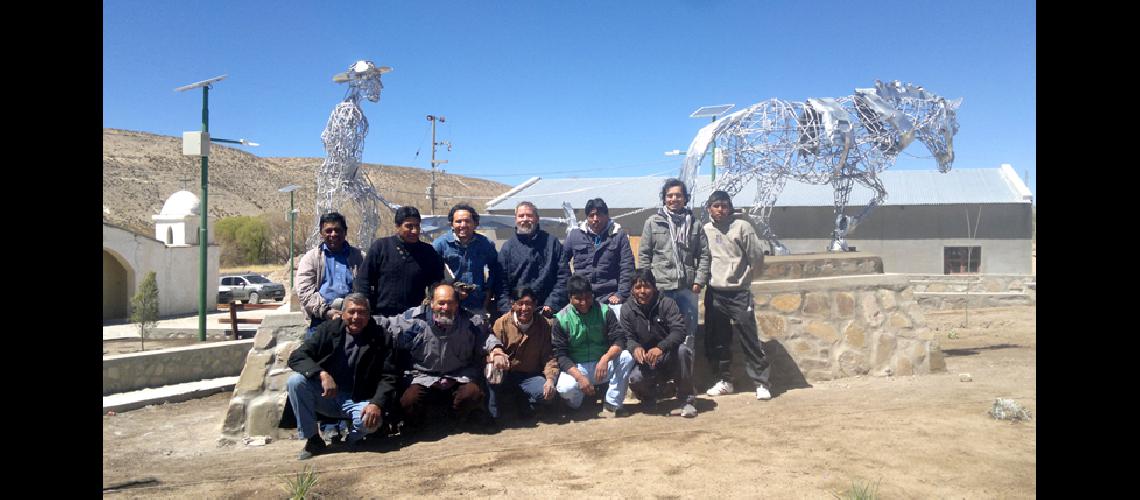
936	287
869	308
851	362
903	366
235	417
282	353
854	334
924	333
935	358
886	299
801	349
907	294
845	304
916	315
278	379
817	304
772	326
761	299
264	339
786	302
898	320
885	344
253	375
265	415
822	330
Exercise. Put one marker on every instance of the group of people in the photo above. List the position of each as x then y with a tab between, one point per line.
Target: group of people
463	326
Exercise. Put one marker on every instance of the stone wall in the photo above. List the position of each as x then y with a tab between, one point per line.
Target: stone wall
942	292
142	370
844	326
819	265
259	397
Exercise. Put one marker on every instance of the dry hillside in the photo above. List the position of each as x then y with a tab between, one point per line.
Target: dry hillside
141	170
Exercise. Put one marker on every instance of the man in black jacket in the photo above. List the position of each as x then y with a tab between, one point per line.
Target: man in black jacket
655	333
533	258
398	269
346	369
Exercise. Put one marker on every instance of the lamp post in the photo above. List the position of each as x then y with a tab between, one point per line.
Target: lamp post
292	220
198	144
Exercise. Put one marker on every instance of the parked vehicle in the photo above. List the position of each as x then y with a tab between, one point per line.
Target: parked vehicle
250	288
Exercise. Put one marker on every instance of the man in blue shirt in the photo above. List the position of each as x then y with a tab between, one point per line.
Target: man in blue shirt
326	273
466	254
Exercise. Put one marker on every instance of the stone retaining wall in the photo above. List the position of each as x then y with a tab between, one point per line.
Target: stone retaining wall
845	326
941	292
142	370
259	397
820	265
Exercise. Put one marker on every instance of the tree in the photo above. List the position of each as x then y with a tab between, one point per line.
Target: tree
144	306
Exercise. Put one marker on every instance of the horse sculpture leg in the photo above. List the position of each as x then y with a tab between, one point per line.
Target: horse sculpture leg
842	187
768	188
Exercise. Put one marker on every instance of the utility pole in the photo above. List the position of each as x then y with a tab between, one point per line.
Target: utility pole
434	162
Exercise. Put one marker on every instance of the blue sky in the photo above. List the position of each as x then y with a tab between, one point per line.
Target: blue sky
561	89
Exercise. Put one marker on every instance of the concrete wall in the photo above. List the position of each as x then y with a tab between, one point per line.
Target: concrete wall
115	279
141	370
176	270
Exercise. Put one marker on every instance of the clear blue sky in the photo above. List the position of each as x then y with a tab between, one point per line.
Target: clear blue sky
561	88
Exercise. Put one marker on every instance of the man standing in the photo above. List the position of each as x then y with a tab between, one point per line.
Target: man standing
466	254
533	258
655	334
599	249
447	348
671	247
736	255
589	346
399	268
326	272
533	368
346	369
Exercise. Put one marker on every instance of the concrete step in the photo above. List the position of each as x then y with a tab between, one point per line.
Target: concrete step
133	400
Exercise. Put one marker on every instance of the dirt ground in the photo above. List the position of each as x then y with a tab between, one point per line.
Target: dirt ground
917	436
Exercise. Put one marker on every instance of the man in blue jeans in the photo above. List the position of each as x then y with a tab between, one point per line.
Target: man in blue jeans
346	369
589	346
671	247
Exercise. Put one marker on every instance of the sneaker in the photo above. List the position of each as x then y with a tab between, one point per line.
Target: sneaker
688	411
611	411
762	393
720	388
331	434
314	446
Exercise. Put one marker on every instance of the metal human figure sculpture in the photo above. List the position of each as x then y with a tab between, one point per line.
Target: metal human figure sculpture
339	180
825	141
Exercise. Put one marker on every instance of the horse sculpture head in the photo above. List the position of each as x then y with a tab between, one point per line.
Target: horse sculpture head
935	118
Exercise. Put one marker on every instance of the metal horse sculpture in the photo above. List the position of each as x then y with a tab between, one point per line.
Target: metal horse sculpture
825	141
339	179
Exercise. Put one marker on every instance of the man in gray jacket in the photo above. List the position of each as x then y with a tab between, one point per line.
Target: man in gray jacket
671	247
735	256
446	348
325	273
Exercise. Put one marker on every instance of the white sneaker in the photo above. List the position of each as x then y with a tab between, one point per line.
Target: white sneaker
762	393
720	388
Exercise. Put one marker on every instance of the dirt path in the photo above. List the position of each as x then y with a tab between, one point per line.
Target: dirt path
922	436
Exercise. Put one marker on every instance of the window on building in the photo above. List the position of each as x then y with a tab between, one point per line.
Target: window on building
961	260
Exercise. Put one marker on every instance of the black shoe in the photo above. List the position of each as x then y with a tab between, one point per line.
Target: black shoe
611	411
314	446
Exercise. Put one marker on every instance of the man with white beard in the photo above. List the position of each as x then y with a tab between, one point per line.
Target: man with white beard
447	348
533	258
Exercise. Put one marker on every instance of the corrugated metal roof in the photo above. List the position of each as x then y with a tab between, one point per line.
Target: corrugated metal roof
904	187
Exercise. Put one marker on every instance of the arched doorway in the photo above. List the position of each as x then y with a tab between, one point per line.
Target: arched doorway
115	288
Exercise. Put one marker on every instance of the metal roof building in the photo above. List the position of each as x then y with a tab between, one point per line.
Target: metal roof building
929	222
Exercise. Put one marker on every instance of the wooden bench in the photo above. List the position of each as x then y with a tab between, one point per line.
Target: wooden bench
234	321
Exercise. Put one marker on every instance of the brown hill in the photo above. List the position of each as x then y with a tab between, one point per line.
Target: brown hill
141	170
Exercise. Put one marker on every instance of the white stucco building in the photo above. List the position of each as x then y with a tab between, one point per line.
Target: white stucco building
172	253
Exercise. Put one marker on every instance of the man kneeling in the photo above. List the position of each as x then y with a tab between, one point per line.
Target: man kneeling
346	369
588	344
446	347
656	336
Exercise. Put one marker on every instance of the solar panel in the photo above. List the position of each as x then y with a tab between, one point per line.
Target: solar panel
711	110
